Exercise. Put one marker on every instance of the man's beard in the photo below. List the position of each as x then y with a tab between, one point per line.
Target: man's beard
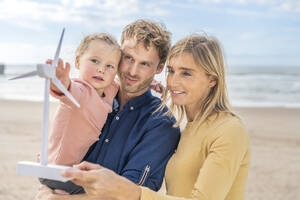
137	88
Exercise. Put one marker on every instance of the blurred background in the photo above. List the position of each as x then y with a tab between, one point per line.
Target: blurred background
260	39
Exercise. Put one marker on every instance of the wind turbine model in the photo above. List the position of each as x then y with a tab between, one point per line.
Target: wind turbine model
42	169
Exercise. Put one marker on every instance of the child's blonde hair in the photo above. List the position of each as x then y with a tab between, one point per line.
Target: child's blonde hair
207	54
85	42
150	33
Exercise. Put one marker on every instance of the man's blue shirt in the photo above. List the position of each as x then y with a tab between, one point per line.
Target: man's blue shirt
137	142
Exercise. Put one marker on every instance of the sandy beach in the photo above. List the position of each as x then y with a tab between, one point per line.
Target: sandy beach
275	147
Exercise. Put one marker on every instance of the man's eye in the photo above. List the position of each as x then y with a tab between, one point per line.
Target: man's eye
129	58
95	61
145	64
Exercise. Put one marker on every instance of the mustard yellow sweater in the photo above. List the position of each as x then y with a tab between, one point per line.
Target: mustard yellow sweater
211	163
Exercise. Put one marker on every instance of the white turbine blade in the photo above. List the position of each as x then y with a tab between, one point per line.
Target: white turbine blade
29	74
44	152
55	60
62	88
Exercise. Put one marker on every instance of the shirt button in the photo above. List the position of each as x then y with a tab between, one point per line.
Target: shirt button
131	107
106	140
117	118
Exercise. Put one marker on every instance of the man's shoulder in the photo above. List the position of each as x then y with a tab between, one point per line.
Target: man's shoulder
155	111
153	116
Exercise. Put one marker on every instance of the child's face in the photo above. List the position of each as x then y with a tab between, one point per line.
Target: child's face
98	64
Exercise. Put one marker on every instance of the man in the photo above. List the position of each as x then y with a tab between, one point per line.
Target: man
136	141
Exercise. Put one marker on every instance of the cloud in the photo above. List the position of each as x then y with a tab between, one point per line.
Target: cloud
290	5
20	53
268	5
35	14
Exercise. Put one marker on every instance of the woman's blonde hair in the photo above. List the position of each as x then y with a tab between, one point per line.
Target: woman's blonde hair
207	54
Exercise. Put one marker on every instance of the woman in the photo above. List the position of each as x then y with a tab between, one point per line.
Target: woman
212	158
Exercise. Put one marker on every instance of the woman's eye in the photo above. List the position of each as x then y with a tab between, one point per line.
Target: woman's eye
170	71
95	61
187	74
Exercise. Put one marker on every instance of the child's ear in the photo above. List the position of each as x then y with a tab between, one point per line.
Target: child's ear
77	60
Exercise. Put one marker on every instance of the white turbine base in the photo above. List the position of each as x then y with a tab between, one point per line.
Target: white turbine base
34	169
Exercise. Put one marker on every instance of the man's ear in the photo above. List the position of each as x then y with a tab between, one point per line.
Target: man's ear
77	60
160	67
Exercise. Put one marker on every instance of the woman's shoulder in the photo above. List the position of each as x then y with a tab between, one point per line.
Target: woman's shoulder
227	131
228	125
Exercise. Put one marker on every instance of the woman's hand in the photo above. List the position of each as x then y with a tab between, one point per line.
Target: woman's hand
62	73
45	193
102	183
87	166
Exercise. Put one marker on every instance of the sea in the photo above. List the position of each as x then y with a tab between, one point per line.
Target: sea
252	86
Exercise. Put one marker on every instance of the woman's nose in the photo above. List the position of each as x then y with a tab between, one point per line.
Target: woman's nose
172	80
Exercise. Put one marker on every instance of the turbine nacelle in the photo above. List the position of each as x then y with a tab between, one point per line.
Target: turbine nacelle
45	71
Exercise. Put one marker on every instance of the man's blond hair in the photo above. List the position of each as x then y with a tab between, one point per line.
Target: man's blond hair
150	33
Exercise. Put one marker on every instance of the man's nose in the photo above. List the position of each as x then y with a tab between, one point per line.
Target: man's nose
133	69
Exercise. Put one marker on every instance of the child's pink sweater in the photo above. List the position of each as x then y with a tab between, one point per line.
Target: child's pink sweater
74	129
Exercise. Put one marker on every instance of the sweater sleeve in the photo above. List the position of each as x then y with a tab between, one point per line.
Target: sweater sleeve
76	90
225	153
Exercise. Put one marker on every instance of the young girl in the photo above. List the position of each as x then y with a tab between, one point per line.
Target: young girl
74	129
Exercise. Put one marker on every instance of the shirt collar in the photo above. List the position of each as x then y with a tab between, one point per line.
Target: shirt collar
115	105
135	102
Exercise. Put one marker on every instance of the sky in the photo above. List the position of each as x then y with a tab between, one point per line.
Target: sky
252	32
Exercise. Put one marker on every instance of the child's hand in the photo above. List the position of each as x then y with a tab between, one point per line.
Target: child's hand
38	157
157	87
62	73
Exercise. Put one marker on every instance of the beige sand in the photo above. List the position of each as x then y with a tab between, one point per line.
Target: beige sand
274	133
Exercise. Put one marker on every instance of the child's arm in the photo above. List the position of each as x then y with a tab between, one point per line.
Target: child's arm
62	73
